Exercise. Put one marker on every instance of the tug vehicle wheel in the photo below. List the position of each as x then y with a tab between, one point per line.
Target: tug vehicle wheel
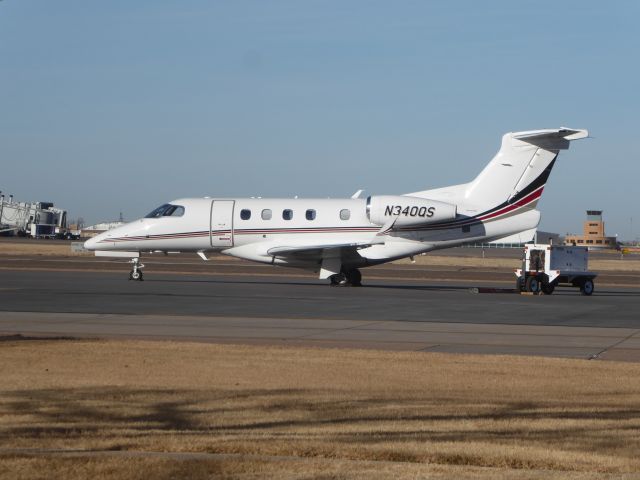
548	288
586	287
532	285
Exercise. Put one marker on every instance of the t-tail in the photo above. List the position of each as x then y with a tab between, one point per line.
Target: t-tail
518	173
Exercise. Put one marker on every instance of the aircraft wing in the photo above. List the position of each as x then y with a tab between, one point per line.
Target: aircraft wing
314	249
329	256
323	248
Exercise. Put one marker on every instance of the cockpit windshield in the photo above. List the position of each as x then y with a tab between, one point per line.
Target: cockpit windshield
167	210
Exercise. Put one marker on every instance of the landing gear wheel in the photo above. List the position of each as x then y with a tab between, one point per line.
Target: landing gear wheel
532	285
347	278
354	277
136	275
586	288
548	288
136	270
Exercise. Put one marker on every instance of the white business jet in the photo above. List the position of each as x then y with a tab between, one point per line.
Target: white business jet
337	237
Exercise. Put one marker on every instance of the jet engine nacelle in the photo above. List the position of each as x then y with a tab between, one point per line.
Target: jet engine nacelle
407	210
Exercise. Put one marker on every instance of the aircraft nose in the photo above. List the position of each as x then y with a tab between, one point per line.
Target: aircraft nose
94	242
91	243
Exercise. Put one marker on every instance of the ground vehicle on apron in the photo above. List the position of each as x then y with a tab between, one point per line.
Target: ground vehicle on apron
544	267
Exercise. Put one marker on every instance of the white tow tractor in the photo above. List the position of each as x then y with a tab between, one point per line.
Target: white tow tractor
546	266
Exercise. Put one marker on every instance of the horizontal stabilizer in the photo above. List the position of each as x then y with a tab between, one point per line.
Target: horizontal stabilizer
554	139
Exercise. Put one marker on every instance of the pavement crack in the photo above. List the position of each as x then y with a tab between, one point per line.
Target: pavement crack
613	345
334	330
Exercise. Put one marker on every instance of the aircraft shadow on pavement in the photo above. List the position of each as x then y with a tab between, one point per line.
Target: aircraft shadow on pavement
423	287
558	292
235	282
611	293
314	284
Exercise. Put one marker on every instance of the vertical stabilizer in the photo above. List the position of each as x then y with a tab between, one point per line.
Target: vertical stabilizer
521	168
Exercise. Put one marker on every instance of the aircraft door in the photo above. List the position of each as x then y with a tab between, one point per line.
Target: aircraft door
221	225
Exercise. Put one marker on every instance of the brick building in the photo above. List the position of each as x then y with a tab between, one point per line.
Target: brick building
593	235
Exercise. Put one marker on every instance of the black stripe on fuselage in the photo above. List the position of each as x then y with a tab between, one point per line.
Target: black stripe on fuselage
540	181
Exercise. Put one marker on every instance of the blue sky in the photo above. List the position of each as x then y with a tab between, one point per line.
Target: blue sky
120	106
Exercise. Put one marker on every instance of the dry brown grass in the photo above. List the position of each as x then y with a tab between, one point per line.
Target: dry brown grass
136	468
338	413
39	247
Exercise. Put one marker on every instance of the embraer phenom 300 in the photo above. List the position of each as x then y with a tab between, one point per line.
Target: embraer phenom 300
337	237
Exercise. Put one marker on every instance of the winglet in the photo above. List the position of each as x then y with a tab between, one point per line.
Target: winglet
357	194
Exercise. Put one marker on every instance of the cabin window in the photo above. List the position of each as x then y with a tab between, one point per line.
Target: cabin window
287	214
245	214
345	214
266	214
310	214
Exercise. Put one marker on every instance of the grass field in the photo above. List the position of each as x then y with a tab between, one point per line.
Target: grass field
309	413
39	247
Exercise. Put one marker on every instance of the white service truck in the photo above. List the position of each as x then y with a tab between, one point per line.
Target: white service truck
546	266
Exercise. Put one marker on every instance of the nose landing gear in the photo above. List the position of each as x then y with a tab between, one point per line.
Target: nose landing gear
136	270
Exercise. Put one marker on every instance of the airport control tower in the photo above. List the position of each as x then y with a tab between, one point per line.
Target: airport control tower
593	235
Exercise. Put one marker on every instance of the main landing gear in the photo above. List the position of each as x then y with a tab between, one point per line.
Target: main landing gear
347	278
136	270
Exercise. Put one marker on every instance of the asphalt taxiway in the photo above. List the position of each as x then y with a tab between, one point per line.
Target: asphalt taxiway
438	316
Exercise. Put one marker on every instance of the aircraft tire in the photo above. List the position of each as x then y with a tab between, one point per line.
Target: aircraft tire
548	288
136	276
347	278
354	277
